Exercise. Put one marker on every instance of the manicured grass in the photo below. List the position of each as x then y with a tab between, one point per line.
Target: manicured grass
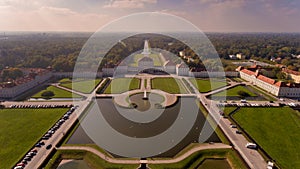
234	92
228	110
121	85
205	85
276	130
20	129
91	159
268	96
155	57
84	86
58	93
196	158
169	85
65	80
190	162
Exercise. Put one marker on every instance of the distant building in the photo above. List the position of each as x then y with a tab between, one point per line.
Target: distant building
181	53
182	69
232	57
276	88
240	56
145	62
295	75
170	67
32	78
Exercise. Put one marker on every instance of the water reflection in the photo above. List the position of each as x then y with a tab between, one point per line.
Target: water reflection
144	130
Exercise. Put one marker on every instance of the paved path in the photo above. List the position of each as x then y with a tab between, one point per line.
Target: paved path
149	161
70	90
121	99
231	85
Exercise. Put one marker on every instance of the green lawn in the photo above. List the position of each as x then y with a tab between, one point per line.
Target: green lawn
276	130
169	85
228	110
198	157
156	59
58	93
20	129
83	86
205	85
121	85
234	92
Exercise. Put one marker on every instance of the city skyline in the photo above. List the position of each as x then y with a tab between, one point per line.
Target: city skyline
209	16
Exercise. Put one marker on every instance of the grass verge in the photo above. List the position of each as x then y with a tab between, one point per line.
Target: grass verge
207	85
121	85
58	93
83	86
169	85
276	130
20	129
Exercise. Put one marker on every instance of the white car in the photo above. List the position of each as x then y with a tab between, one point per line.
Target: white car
251	145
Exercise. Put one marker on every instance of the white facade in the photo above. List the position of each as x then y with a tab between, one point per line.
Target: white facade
11	92
182	69
276	88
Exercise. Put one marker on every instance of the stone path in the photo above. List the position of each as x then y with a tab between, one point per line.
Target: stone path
149	161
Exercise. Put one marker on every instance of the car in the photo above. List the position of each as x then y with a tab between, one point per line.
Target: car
21	164
18	167
251	145
45	138
48	146
24	161
27	159
233	126
238	132
38	145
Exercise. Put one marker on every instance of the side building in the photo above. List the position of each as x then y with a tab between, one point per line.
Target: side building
277	88
33	77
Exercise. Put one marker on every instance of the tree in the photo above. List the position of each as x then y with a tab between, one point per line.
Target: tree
47	94
243	94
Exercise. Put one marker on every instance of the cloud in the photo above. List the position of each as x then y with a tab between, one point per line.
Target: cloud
129	4
49	18
55	10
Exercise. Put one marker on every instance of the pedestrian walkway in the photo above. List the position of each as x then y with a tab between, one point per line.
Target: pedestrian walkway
200	147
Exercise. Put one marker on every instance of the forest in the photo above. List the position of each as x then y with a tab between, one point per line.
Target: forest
60	50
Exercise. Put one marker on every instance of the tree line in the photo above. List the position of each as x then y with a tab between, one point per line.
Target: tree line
60	51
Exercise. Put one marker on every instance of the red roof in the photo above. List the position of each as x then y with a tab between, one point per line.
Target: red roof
239	68
291	71
266	79
280	84
249	72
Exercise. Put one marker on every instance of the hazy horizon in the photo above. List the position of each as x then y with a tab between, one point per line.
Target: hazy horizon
208	15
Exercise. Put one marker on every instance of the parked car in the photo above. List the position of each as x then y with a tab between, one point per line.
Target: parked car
251	145
49	146
238	132
233	126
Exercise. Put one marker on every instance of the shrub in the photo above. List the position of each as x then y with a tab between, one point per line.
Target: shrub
48	94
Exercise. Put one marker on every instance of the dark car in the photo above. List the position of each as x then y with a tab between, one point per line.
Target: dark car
238	132
49	146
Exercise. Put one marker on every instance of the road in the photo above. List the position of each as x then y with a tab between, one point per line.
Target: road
205	146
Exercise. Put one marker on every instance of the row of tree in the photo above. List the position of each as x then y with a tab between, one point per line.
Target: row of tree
61	50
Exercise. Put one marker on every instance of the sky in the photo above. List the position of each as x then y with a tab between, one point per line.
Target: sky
207	15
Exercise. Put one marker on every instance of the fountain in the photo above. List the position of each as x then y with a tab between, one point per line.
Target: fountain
145	95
